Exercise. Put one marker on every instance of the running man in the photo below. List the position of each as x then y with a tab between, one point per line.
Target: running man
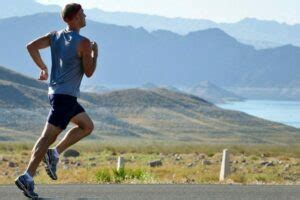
72	57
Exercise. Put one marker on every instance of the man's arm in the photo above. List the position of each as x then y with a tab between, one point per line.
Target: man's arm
33	49
89	53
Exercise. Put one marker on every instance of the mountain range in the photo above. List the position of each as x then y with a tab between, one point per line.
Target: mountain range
259	33
152	114
131	56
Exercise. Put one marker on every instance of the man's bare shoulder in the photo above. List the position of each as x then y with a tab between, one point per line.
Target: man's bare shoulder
51	33
85	43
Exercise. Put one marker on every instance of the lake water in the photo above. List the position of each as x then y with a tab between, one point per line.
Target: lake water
287	112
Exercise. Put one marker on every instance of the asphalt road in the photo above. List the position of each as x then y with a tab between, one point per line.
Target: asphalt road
156	192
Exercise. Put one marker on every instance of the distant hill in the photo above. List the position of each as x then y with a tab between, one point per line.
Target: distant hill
212	93
16	95
13	8
15	77
95	89
270	93
204	90
19	91
149	86
150	22
156	114
263	30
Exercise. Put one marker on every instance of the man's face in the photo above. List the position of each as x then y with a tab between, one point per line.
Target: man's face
81	18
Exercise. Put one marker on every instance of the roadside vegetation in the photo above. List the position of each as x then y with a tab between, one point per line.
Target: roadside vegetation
182	162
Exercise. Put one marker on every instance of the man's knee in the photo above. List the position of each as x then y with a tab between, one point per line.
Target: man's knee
49	138
50	134
88	127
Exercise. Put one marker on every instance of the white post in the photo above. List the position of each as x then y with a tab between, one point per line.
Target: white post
225	166
121	164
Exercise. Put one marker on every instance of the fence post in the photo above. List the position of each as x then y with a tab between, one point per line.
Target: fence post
225	166
121	163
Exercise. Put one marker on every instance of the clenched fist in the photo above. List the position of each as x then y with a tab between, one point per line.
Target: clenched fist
94	49
43	75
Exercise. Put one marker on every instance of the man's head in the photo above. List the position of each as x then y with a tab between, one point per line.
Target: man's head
73	14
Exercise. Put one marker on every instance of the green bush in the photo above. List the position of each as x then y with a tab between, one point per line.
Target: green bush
119	176
103	175
261	178
107	175
137	174
210	154
254	158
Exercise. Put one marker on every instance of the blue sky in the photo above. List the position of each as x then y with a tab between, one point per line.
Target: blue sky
216	10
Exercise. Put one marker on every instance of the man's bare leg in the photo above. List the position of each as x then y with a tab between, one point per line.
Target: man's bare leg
40	148
84	127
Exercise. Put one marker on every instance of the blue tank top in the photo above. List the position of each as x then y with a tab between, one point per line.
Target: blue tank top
67	70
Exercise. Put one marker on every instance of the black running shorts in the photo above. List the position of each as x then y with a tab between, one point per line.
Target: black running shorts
63	109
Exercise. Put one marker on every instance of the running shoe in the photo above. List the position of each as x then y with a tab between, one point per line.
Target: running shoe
26	186
51	162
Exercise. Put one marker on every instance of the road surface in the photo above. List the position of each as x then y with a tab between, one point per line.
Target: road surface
156	192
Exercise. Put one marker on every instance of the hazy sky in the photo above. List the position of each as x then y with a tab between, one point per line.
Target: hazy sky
216	10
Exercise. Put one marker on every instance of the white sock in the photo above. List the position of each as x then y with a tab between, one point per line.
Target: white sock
56	154
28	177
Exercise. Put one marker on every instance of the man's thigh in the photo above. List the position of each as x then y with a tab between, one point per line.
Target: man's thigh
82	120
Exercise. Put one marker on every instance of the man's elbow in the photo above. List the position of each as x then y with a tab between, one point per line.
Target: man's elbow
89	71
89	74
30	47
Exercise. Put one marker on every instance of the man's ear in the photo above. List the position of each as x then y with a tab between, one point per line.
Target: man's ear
77	16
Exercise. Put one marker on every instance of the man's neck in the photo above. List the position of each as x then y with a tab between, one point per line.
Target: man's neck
73	28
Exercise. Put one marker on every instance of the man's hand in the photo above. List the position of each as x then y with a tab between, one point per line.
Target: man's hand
43	75
33	49
94	49
88	52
